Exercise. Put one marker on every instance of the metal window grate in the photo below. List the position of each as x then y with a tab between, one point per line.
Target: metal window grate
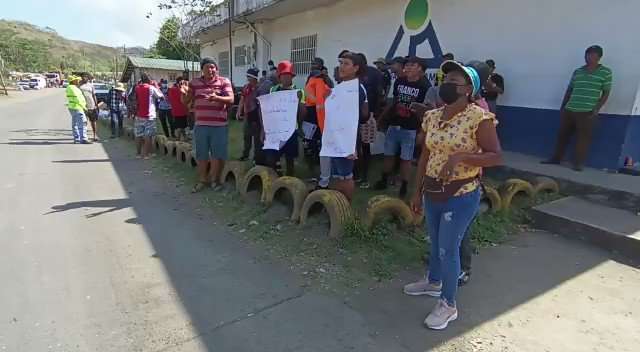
240	55
303	51
223	63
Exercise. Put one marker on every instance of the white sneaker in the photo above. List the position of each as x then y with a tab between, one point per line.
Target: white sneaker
440	316
423	287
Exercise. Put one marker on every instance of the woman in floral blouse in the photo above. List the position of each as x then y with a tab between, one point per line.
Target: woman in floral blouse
460	140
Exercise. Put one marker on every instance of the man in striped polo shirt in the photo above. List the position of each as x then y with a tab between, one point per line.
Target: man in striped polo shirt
211	95
587	93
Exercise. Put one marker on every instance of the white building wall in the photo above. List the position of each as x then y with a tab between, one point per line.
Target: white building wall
241	37
536	45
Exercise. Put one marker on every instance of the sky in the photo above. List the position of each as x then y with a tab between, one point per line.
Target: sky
107	22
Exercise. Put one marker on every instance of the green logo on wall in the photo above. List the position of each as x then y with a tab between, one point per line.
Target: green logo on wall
416	15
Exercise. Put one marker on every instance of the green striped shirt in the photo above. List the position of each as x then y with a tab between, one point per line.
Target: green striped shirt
588	88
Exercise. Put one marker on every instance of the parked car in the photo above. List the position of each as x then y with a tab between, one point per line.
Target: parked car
24	84
53	79
102	90
37	83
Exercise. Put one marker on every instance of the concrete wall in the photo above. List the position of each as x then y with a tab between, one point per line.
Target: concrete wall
536	45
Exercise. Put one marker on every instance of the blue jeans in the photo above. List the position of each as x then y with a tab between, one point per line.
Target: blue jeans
116	118
342	168
211	142
77	125
400	140
325	171
447	223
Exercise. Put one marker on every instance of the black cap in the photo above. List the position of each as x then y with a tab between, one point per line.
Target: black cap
491	63
253	73
206	61
399	60
595	49
418	60
318	61
483	69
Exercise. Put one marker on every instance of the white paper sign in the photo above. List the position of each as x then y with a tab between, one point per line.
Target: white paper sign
341	120
279	116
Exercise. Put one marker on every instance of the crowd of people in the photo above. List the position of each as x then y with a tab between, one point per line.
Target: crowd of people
83	107
447	130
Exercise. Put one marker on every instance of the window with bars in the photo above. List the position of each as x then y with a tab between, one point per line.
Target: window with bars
303	51
223	63
240	55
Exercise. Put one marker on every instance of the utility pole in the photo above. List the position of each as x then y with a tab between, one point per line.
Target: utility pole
2	76
230	3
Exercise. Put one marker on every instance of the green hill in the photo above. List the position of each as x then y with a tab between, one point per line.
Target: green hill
29	48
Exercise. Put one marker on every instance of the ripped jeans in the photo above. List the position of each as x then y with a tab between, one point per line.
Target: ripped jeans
447	223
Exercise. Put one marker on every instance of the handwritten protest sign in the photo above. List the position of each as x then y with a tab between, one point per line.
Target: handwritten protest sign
341	120
279	115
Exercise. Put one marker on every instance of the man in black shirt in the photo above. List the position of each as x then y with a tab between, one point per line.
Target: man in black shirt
381	64
403	122
493	87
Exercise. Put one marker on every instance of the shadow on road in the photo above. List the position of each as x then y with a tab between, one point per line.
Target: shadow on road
220	290
40	139
43	132
111	205
82	161
38	143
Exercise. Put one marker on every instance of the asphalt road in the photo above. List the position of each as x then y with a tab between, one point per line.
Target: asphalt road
97	253
96	256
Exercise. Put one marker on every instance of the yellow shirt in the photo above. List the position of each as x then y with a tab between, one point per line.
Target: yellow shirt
458	135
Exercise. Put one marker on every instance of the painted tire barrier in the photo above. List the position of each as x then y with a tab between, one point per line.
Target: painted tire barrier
159	142
170	149
514	186
183	151
296	188
379	206
491	200
545	185
336	205
235	169
266	175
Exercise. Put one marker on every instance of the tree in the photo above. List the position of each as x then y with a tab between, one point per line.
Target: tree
188	12
153	53
169	44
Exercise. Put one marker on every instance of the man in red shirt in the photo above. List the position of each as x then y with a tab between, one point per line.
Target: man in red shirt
211	96
178	110
248	109
145	122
